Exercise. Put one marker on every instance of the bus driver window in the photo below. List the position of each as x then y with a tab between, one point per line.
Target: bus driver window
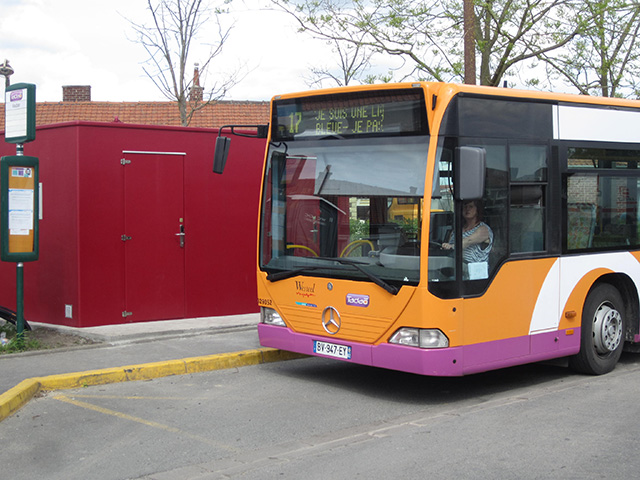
477	241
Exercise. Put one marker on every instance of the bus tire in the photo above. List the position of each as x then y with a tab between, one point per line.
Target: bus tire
602	337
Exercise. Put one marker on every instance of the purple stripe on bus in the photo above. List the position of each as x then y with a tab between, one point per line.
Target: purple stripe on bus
454	361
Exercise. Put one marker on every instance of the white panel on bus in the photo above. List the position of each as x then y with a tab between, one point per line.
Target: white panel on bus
595	124
563	277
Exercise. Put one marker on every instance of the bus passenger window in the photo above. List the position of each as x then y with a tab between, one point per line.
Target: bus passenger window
602	211
527	218
528	170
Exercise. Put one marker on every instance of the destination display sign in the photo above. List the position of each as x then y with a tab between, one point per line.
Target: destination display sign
349	115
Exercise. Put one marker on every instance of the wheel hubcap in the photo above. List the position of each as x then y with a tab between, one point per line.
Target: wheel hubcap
607	329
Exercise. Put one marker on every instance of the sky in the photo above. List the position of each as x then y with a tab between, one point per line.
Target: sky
54	43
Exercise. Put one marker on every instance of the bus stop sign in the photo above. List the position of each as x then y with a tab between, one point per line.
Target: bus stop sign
19	202
20	113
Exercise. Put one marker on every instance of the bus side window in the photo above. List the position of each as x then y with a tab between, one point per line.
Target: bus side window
528	171
581	225
496	200
527	218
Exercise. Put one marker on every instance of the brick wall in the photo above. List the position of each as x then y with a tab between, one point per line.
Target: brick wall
76	93
583	189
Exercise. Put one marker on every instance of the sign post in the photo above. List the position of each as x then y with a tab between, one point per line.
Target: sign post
19	190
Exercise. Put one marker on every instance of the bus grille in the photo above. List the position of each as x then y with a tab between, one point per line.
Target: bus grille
356	328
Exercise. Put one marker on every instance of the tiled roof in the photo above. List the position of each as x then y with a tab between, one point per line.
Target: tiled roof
150	113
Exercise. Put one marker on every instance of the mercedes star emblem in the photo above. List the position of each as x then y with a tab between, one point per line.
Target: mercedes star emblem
331	320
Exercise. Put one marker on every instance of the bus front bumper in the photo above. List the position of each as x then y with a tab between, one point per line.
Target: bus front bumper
435	362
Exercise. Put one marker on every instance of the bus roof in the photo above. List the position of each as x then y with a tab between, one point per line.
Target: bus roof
449	90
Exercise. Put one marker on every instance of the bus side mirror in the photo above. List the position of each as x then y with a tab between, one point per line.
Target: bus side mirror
470	167
220	154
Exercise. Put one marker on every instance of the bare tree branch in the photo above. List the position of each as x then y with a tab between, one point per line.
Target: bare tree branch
175	26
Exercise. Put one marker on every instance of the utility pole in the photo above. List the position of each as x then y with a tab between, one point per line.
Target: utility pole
469	43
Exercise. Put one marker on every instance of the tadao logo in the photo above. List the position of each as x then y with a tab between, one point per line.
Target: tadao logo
15	96
357	300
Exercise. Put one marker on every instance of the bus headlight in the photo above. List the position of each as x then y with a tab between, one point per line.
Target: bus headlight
419	337
269	316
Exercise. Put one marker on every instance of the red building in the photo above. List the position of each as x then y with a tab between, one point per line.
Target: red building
116	199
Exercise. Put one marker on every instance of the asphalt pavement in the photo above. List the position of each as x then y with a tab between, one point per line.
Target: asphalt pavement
133	351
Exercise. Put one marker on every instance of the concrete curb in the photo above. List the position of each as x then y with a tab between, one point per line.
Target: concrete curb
148	331
12	400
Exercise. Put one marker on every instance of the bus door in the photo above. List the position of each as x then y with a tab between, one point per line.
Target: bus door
508	283
518	301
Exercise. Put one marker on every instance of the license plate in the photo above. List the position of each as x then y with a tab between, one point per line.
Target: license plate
332	350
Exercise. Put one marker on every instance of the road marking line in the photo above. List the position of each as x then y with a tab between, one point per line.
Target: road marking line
138	397
13	399
148	423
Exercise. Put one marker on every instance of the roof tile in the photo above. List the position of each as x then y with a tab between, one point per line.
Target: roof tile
213	115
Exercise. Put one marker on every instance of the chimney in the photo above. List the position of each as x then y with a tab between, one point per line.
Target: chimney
76	93
196	90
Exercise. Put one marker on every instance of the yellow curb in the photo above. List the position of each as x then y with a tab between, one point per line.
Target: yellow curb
13	399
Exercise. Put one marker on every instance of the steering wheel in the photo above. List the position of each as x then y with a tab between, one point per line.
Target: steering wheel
355	244
303	247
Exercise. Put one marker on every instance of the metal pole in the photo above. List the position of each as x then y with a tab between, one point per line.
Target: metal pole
19	302
20	283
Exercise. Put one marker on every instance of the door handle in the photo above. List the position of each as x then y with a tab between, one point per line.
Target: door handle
181	236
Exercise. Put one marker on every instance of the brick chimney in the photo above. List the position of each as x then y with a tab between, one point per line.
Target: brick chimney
196	90
76	93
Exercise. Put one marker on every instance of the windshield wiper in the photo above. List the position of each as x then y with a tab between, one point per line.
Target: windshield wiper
374	278
274	277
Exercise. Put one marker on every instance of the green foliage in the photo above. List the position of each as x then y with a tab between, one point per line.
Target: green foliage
410	227
380	78
591	45
604	58
358	229
16	345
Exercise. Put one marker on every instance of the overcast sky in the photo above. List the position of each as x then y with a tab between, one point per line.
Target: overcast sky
52	43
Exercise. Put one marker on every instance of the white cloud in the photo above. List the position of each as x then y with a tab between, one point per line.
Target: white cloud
75	42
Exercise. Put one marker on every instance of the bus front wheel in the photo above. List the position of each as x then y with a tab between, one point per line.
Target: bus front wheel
602	336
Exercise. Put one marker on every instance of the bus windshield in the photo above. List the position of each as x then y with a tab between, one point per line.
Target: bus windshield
345	208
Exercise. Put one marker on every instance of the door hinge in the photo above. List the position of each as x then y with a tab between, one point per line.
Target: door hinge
124	161
125	314
124	238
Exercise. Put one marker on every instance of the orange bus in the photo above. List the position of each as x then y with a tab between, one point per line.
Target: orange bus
447	229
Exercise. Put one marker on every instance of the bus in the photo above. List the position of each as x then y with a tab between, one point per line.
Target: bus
447	229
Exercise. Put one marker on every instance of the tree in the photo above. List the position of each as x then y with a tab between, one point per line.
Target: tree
428	34
168	39
353	60
604	58
469	41
510	33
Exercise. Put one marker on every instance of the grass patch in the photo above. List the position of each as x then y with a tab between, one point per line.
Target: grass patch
40	338
14	344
